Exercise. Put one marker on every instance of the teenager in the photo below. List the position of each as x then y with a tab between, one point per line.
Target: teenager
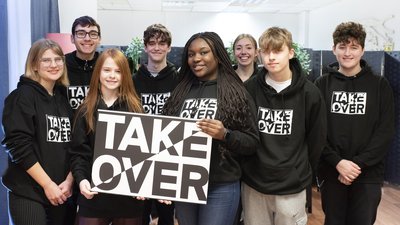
154	83
86	36
245	51
111	88
37	126
360	112
292	129
212	92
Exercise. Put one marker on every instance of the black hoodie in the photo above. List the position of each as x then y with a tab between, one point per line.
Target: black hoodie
360	122
79	75
201	102
37	128
292	128
154	91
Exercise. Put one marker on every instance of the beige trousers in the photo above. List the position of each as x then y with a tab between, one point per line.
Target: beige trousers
262	209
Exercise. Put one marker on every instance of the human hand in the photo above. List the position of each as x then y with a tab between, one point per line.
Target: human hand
348	170
344	181
167	202
214	128
66	185
54	194
84	187
140	198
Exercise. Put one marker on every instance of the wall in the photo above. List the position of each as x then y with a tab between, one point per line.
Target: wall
183	24
372	14
69	10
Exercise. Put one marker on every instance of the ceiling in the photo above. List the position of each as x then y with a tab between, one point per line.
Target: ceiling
249	6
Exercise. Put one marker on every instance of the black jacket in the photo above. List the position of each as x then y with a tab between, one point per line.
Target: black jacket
360	122
79	75
154	91
201	102
292	128
82	150
37	128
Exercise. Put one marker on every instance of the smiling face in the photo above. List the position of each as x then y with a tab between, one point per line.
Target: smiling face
245	52
157	50
110	77
349	55
202	61
50	68
86	46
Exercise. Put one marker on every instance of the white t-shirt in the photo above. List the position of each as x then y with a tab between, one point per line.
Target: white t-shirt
278	86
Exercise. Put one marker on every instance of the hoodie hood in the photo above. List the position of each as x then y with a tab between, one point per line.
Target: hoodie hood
165	72
333	68
35	85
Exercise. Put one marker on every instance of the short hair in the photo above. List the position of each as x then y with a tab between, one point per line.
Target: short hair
242	36
157	31
274	38
349	30
35	54
85	21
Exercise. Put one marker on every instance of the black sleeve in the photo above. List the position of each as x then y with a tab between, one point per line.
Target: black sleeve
19	129
81	150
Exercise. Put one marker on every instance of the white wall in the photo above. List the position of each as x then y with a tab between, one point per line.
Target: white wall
370	13
312	29
119	27
69	10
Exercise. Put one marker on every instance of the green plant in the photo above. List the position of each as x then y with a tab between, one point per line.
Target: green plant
134	51
303	56
231	53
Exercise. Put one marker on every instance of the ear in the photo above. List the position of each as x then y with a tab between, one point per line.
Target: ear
169	49
334	49
72	39
291	53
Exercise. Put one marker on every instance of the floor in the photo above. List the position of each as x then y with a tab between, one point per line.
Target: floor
388	211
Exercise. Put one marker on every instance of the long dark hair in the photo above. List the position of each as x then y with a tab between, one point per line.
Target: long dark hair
233	108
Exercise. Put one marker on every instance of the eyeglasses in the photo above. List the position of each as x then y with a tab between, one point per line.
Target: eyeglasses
82	34
47	62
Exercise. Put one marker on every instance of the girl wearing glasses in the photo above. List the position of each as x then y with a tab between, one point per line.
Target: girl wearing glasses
111	88
37	124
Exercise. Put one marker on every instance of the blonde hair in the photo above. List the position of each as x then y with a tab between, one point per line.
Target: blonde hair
35	54
275	38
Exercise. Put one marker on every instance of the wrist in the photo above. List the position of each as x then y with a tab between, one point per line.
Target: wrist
227	134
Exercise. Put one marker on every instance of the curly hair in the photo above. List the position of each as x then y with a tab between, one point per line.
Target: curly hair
233	109
346	31
157	31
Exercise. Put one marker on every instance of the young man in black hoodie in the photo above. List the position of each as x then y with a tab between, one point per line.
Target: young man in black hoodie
154	83
86	37
292	129
360	109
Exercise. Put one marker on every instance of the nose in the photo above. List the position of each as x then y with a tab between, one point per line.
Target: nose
86	37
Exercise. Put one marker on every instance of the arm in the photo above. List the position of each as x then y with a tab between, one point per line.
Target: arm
383	132
53	193
316	127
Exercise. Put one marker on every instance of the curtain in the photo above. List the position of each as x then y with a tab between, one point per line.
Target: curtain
44	18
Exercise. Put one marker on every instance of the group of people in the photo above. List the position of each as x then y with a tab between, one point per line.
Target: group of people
273	130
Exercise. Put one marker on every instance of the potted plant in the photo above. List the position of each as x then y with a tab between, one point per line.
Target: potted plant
133	53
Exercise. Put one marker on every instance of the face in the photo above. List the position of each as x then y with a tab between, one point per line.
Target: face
277	61
201	60
349	55
245	52
110	77
157	50
50	68
86	46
